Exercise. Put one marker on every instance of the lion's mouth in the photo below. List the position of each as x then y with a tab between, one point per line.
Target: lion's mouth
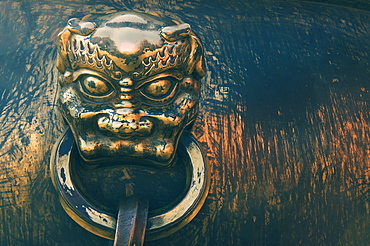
126	129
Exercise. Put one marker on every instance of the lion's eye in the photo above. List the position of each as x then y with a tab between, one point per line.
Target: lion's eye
158	88
95	86
159	91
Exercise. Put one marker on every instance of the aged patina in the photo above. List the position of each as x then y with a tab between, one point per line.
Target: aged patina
283	117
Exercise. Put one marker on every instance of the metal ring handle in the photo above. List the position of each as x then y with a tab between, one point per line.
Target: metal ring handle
103	223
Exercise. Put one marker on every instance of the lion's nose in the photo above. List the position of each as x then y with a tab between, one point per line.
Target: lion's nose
126	125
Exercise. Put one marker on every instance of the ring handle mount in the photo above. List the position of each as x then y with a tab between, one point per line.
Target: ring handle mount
103	223
129	98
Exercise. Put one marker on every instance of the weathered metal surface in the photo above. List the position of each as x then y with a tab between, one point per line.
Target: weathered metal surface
358	4
283	118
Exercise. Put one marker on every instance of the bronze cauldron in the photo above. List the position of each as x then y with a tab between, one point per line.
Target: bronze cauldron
283	121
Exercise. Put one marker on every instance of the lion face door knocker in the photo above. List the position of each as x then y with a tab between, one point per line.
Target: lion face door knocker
129	89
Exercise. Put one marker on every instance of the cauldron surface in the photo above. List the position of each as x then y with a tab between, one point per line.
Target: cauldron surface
284	119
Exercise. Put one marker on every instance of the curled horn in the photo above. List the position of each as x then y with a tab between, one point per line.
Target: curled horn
74	26
172	33
80	27
196	57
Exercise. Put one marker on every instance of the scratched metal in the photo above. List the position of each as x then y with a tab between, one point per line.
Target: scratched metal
284	118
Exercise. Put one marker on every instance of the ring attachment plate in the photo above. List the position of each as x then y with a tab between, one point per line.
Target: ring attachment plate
103	223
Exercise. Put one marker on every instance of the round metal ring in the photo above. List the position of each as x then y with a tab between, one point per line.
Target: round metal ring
103	223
